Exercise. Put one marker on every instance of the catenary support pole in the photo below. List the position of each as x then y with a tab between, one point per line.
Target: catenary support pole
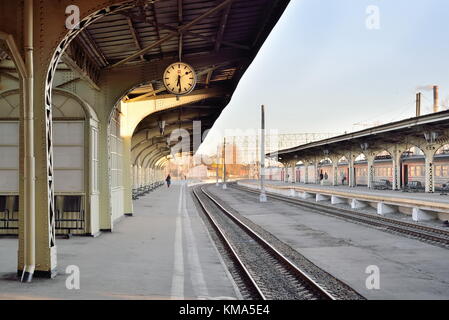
263	196
217	164
224	164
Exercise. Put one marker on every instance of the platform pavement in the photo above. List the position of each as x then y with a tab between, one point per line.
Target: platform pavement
435	197
162	252
409	269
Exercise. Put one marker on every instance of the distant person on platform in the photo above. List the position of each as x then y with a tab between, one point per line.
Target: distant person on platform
168	180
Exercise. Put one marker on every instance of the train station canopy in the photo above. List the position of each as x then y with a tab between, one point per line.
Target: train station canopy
417	131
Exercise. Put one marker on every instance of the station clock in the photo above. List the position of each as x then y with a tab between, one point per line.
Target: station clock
179	78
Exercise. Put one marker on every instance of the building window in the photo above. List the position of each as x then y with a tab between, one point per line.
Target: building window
115	148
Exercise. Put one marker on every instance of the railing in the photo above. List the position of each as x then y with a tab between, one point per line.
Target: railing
9	215
70	215
141	191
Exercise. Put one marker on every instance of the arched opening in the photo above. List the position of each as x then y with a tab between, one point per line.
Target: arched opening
325	171
75	152
343	171
48	97
309	173
9	144
299	168
275	172
360	170
441	168
412	174
383	171
11	134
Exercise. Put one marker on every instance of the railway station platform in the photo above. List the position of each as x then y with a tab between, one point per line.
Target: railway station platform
421	207
162	252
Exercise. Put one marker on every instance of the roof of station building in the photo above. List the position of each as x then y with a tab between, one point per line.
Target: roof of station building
168	29
390	133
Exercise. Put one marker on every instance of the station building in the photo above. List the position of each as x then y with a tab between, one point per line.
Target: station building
85	115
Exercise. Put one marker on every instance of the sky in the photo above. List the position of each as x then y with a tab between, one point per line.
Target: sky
322	69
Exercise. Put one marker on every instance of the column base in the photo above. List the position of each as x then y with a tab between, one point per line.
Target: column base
321	197
423	215
357	204
383	209
38	274
338	200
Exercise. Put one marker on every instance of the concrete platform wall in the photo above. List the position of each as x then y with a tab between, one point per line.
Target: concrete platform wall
419	210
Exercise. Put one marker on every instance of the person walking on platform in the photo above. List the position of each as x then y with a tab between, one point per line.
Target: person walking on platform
168	180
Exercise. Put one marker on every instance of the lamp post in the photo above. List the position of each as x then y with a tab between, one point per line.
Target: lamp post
224	165
216	163
263	196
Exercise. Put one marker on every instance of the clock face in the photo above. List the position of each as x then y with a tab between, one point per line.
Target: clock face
179	78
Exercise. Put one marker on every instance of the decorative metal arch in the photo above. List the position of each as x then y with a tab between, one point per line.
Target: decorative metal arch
48	106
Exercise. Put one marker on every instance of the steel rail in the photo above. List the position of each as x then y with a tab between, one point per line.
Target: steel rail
301	276
230	248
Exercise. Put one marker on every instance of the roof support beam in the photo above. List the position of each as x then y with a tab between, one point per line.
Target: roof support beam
180	24
134	35
8	75
180	12
209	76
185	123
181	29
156	26
80	70
15	55
146	95
68	82
212	68
92	46
268	12
202	37
221	30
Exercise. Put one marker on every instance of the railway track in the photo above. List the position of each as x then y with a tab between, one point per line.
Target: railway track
424	233
266	272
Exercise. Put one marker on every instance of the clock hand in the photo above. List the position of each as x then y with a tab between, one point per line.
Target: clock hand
185	74
179	81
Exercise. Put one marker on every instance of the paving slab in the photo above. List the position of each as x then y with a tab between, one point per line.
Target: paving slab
162	252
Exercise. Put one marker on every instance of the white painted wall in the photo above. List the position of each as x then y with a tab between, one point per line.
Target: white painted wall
68	152
9	157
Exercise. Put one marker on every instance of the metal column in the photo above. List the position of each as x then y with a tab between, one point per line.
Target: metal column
263	196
